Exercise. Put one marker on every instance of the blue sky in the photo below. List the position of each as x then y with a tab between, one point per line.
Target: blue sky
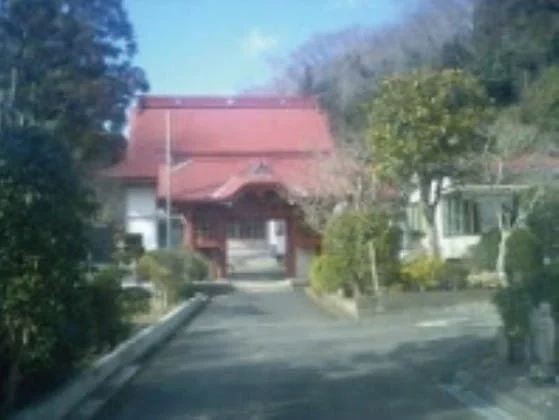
225	46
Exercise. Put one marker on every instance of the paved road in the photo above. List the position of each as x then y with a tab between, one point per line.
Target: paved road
268	353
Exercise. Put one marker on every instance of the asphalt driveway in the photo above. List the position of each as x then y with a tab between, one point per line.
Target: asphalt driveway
268	353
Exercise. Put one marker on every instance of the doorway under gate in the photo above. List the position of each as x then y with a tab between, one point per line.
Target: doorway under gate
256	248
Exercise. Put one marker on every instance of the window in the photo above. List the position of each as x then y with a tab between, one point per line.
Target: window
247	229
461	217
507	215
415	218
176	233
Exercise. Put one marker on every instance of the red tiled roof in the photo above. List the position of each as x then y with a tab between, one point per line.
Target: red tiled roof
211	126
219	179
219	138
133	169
227	102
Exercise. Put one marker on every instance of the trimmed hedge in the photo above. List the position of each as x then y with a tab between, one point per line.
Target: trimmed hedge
108	313
423	273
172	271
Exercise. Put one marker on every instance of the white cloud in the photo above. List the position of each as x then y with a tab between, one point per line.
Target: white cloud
257	43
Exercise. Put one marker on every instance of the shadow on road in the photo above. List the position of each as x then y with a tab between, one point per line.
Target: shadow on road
205	376
212	288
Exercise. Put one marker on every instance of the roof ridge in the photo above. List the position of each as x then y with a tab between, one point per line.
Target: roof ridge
226	101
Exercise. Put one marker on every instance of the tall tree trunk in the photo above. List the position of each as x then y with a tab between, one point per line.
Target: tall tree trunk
377	291
502	250
429	201
374	271
501	256
432	231
356	291
14	376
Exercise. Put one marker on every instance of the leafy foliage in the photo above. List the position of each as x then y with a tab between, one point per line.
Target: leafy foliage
66	80
346	261
172	271
425	272
66	65
425	126
483	255
196	267
455	275
514	305
327	274
43	310
108	317
425	123
130	247
513	42
524	255
540	101
136	300
543	222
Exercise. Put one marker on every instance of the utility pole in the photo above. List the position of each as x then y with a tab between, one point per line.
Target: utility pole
168	192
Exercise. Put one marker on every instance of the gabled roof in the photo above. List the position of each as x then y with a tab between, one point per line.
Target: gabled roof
216	141
220	179
225	126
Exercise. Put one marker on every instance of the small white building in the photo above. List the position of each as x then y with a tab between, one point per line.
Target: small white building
142	216
462	215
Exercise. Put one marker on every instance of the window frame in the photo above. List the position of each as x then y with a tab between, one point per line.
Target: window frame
461	217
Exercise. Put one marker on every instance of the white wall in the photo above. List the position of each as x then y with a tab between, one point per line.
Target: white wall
303	261
246	246
278	241
456	246
141	214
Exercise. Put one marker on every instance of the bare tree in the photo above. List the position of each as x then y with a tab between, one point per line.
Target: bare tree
342	69
337	181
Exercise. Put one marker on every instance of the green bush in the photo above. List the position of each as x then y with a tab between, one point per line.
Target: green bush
196	267
454	275
347	239
327	273
129	247
483	255
514	304
43	311
172	271
136	300
545	286
543	222
344	241
108	322
483	280
524	255
423	273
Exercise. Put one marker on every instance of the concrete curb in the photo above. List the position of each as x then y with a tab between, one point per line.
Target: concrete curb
468	382
298	283
330	305
61	403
